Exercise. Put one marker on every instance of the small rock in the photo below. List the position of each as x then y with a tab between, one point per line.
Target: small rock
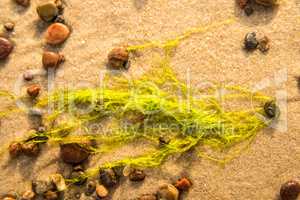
33	90
163	140
90	188
31	149
264	44
242	3
78	177
127	170
57	33
168	192
147	197
28	195
24	3
50	195
266	2
73	153
59	182
248	10
101	191
15	149
290	190
183	184
270	109
28	76
41	186
108	177
250	41
9	26
47	11
6	48
51	60
137	175
118	58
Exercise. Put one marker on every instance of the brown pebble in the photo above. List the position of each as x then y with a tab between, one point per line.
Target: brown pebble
118	58
9	26
108	177
168	192
57	33
101	191
47	11
290	190
51	195
15	149
137	175
30	149
73	153
264	44
28	76
183	184
242	3
24	3
33	90
51	60
6	48
28	195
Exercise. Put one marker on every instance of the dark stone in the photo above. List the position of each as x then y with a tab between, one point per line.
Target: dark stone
250	41
290	190
108	177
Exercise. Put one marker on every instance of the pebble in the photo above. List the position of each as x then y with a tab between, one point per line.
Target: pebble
242	3
28	76
183	184
270	109
168	192
24	3
250	41
127	170
51	60
41	186
6	48
90	188
33	90
47	11
31	149
147	197
248	10
163	140
118	58
137	175
290	190
9	26
264	44
57	33
50	195
15	149
108	177
59	182
101	191
73	153
28	195
266	2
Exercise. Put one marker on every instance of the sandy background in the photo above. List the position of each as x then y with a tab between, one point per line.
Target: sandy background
99	25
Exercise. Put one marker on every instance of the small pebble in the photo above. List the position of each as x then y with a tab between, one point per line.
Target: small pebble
267	2
242	3
28	76
163	140
108	177
147	197
41	186
31	149
73	153
250	41
137	175
168	192
33	90
118	58
183	184
270	109
127	170
101	191
15	149
50	195
248	10
9	26
47	11
90	188
290	190
59	182
57	33
264	44
28	195
78	177
6	48
24	3
51	60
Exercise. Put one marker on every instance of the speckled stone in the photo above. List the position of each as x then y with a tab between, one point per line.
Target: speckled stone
6	48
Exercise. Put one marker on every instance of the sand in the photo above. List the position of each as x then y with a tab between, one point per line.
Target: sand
217	55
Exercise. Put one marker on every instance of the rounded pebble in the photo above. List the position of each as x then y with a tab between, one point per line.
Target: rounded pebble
6	48
168	192
183	184
28	76
118	58
264	44
59	182
15	149
9	26
270	109
137	175
28	195
250	41
47	11
73	153
101	191
51	60
57	33
108	177
290	190
33	90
